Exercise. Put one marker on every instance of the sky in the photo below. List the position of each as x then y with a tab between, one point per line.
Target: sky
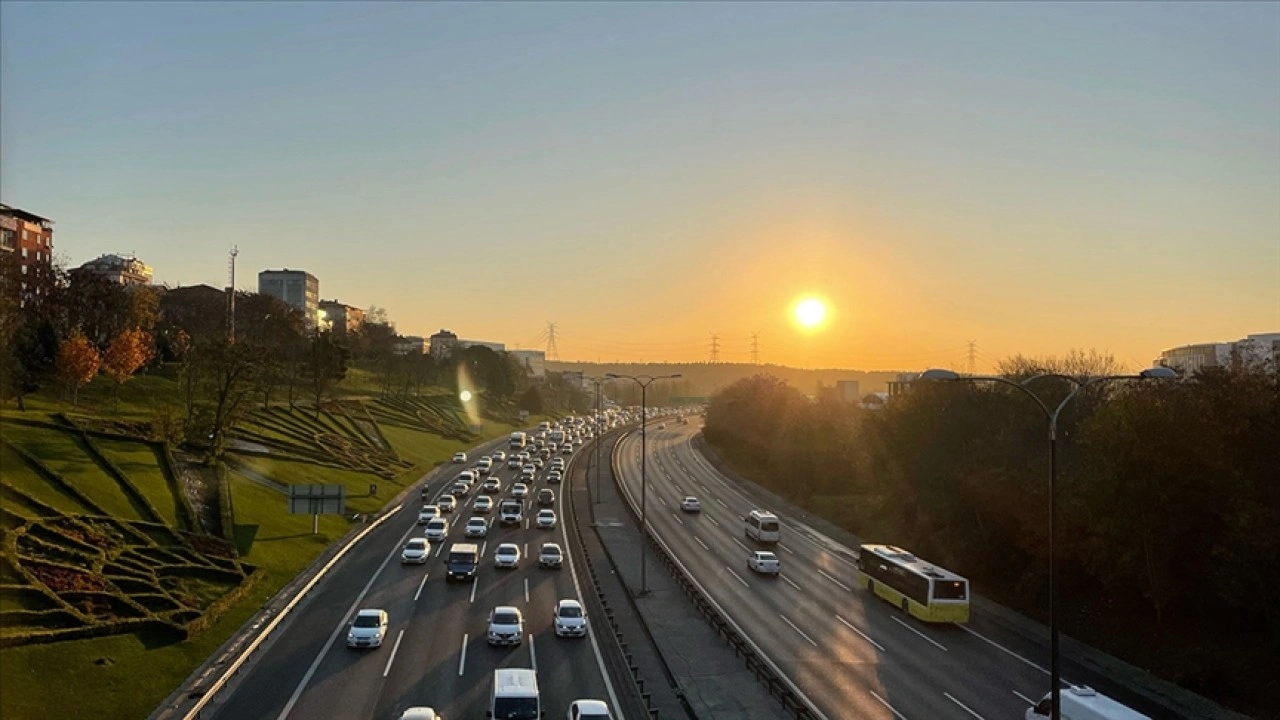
1031	178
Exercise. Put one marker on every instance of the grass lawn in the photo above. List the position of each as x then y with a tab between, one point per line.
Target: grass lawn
16	472
61	452
141	464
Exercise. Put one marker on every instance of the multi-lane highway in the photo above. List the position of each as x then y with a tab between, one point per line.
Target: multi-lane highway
851	654
435	653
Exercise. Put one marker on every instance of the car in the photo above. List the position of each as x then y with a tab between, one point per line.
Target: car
764	562
513	462
460	457
421	713
529	469
460	489
589	710
506	626
569	619
437	530
558	464
447	503
368	629
691	504
483	504
499	456
554	476
510	512
469	477
477	527
492	484
566	450
546	496
506	555
538	463
550	555
546	519
519	490
415	551
427	512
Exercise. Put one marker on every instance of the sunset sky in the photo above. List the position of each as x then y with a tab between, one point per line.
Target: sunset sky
1031	177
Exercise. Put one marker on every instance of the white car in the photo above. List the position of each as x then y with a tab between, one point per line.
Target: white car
538	463
499	456
589	710
460	489
566	450
447	503
484	504
426	513
459	457
519	490
691	504
507	555
477	527
569	619
528	470
764	562
546	519
554	476
422	713
367	629
492	484
550	556
506	626
513	463
415	551
437	530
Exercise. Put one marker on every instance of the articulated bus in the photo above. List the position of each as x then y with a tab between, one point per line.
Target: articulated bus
926	591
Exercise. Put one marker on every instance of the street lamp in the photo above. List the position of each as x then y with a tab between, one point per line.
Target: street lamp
1155	373
644	381
599	424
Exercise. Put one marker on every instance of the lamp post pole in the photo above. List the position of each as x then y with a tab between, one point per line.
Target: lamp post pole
644	381
1052	416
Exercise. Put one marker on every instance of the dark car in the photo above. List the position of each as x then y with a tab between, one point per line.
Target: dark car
546	496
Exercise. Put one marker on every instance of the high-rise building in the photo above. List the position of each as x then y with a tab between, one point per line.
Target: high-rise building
120	269
296	288
30	237
443	343
343	320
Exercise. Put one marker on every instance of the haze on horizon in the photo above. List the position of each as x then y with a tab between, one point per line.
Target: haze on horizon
1032	177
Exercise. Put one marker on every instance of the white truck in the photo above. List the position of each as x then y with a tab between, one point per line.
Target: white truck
1080	702
518	440
515	695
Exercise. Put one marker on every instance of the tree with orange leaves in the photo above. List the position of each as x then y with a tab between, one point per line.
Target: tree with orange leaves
78	361
128	351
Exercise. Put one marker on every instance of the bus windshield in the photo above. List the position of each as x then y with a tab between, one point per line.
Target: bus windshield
515	708
950	590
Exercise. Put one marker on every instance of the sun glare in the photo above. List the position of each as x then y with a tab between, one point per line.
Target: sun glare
810	312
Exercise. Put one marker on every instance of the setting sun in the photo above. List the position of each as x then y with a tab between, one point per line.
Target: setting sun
810	312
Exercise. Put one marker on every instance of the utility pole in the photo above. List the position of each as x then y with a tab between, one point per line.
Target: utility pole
715	348
231	292
553	352
755	348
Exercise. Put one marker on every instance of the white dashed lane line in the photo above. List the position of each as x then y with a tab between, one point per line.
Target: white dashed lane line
420	586
861	634
788	581
704	545
462	661
736	576
825	575
744	547
964	707
917	632
798	630
395	648
885	703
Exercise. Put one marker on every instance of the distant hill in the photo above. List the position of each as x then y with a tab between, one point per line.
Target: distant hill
706	378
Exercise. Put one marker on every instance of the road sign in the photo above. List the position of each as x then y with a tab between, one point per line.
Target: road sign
317	499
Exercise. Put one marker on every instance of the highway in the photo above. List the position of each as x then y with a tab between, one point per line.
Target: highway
851	654
435	653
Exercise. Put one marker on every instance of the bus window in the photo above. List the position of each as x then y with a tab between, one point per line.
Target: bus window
949	590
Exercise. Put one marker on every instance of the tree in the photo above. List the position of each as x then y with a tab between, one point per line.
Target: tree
325	364
531	401
128	351
78	362
220	375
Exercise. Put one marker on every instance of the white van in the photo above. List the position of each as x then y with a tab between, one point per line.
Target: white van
515	695
518	440
1080	702
763	526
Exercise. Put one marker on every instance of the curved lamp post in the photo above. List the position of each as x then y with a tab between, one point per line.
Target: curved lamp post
644	381
1158	373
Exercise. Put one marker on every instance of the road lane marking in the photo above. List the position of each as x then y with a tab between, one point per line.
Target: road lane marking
475	581
713	521
526	592
725	504
788	581
735	575
704	545
462	661
1025	699
662	500
744	547
896	714
420	586
787	549
394	648
525	552
926	637
866	637
798	630
677	517
998	645
846	587
484	546
533	656
966	708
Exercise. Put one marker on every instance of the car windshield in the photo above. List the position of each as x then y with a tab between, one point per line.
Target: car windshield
568	611
505	618
550	551
475	523
769	526
461	557
418	543
515	708
366	621
507	551
436	524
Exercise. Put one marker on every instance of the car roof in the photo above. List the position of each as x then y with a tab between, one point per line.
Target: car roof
477	521
569	602
546	511
508	546
549	545
370	612
419	713
764	554
507	608
595	706
417	541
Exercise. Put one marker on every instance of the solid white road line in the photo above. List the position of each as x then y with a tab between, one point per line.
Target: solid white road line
896	714
735	575
798	630
998	645
1024	698
866	637
788	581
394	648
462	661
825	575
533	656
704	545
420	586
926	637
966	708
311	671
475	581
526	593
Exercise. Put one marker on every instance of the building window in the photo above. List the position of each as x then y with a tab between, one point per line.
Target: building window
24	269
24	253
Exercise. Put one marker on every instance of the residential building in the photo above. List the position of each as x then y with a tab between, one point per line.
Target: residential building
443	343
343	320
848	391
900	385
120	269
496	347
534	362
1259	349
411	345
574	378
30	237
296	288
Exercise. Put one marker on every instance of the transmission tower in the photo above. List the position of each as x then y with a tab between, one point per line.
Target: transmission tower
715	348
231	294
973	352
755	348
553	352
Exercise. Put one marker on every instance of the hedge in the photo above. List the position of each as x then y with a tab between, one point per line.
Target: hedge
56	479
